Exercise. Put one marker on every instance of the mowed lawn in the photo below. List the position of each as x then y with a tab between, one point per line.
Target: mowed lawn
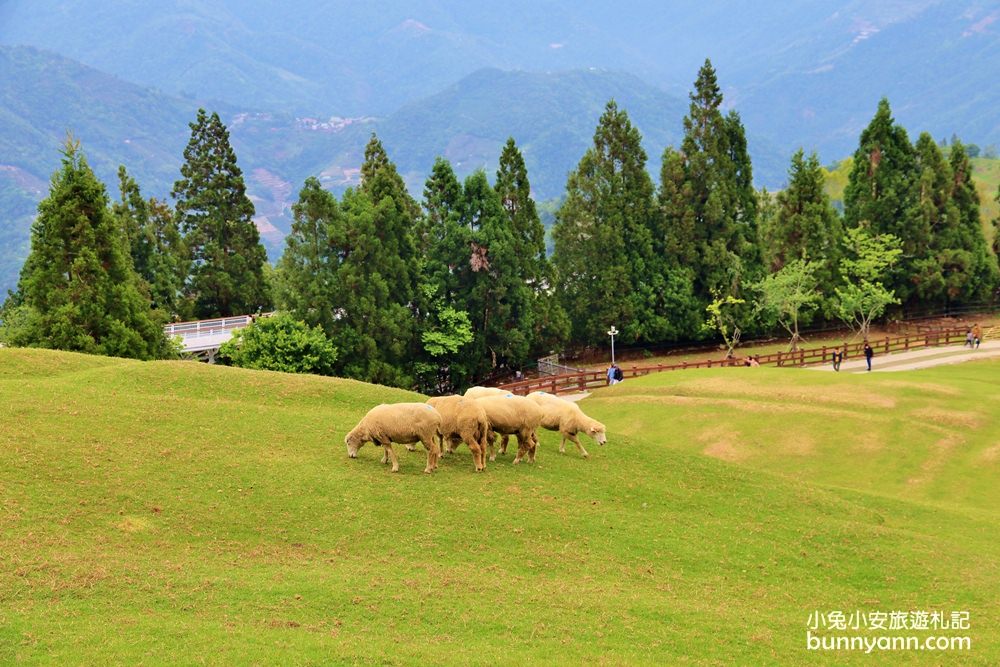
175	513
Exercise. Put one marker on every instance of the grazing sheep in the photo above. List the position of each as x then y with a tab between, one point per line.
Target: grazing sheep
404	423
479	392
463	419
567	418
513	415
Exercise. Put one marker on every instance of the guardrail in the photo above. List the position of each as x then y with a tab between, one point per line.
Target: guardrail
582	381
207	327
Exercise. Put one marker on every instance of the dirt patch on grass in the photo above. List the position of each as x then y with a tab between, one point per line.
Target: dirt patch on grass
962	418
991	454
939	453
798	444
845	396
722	442
805	405
929	387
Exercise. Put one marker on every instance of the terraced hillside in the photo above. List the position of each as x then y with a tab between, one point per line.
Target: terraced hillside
171	512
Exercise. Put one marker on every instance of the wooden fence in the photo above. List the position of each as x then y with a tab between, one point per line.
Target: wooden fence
584	380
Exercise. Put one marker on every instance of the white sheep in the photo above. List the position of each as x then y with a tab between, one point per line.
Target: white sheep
404	423
564	416
463	419
513	415
479	392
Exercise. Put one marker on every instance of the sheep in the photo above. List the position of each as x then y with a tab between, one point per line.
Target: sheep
463	419
567	418
513	415
479	392
404	423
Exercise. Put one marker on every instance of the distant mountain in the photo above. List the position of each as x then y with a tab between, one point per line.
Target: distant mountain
552	117
808	73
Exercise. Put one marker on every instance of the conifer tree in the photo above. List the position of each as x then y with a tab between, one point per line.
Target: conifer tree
372	329
156	247
499	299
78	290
608	273
803	225
971	275
308	267
551	326
444	239
226	257
707	204
881	197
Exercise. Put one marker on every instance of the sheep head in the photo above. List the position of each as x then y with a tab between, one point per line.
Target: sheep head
354	440
597	432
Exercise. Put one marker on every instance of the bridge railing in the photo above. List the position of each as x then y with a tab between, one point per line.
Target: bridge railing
207	327
584	380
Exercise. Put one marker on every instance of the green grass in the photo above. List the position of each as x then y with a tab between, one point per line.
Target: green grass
177	513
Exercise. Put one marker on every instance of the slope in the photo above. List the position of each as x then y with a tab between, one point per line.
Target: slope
176	512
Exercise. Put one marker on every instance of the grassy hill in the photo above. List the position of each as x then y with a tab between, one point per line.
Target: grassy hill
175	512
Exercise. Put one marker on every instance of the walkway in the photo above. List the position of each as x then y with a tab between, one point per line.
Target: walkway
201	339
916	359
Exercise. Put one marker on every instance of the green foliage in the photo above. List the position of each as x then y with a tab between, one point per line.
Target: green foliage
723	317
866	261
308	268
881	195
78	290
801	224
707	205
608	271
789	296
281	343
158	252
226	257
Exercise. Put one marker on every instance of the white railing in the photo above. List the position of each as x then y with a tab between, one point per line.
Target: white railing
207	327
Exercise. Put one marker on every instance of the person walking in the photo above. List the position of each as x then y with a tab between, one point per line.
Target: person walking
977	335
968	337
619	375
611	374
869	353
837	357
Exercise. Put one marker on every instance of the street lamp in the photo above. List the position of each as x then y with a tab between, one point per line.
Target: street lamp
612	332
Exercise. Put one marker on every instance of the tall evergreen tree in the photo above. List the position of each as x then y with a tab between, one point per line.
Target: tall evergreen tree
803	224
607	270
707	204
78	288
551	326
969	260
372	328
881	197
156	247
308	267
444	238
226	271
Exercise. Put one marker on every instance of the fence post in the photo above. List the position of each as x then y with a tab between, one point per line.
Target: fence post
887	345
779	358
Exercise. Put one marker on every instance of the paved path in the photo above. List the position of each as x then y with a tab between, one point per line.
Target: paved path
922	358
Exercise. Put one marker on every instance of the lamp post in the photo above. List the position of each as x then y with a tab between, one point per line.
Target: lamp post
612	332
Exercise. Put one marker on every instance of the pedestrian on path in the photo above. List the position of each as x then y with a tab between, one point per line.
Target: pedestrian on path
869	353
619	375
977	335
968	337
836	356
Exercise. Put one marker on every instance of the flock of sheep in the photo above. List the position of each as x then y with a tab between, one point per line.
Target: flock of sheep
477	418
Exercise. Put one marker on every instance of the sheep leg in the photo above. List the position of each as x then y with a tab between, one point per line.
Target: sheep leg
392	457
503	444
491	439
523	445
532	446
562	444
433	452
576	441
385	456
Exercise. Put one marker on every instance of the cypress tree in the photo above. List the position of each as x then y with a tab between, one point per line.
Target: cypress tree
551	326
607	271
78	283
881	197
371	327
226	257
156	247
978	270
803	224
308	267
444	239
707	204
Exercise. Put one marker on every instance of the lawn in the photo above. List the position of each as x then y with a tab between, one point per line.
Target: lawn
176	513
